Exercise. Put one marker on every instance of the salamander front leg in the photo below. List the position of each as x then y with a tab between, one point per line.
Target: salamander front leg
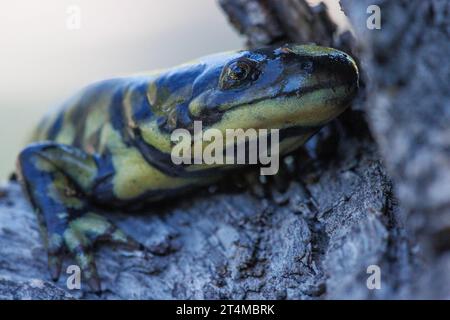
58	180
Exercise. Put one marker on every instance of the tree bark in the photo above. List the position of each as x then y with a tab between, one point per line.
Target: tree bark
408	107
372	188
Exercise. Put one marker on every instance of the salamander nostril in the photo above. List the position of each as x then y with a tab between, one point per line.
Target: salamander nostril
336	68
344	67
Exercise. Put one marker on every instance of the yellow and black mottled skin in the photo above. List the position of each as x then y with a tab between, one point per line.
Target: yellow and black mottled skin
109	146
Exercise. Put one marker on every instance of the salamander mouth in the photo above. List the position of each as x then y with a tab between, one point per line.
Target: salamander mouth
211	116
351	85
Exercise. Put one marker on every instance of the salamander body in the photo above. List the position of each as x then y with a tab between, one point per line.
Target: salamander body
110	144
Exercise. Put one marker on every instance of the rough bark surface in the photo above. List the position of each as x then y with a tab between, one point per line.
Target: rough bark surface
339	214
408	105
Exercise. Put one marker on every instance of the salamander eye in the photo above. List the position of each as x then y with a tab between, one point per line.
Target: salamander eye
307	66
237	73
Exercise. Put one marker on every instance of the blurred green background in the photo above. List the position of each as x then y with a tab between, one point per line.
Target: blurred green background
43	62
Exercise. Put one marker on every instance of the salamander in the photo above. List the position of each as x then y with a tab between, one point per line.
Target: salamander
109	146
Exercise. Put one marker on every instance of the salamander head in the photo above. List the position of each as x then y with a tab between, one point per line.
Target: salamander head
284	87
294	88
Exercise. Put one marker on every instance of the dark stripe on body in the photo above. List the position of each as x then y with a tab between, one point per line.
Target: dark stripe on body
163	162
56	127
